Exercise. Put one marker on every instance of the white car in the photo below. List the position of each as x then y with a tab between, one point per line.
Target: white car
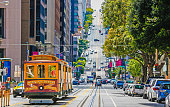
126	89
89	62
153	91
167	101
95	51
137	89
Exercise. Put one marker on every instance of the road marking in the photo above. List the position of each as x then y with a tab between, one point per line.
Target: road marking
86	90
18	103
69	102
111	98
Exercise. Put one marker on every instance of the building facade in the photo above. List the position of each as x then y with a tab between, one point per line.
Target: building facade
65	29
10	33
52	40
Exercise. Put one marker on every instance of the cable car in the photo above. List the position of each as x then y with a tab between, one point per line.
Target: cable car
46	78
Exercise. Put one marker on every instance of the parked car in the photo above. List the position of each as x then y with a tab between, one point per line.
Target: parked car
127	82
108	80
113	81
119	84
104	81
82	80
99	69
89	62
147	86
101	62
101	33
96	39
126	89
137	89
19	90
94	64
167	101
129	91
153	91
95	51
76	82
163	92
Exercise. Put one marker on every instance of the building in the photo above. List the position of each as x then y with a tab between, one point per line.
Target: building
74	27
65	29
10	33
88	3
52	38
33	24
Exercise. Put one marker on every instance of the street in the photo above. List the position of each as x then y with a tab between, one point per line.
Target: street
86	95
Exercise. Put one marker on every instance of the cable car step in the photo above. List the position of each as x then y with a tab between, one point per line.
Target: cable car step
32	101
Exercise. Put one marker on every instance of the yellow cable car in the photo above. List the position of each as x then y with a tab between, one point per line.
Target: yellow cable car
46	77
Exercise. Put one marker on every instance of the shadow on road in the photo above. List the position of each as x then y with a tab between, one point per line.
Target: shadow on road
62	101
152	104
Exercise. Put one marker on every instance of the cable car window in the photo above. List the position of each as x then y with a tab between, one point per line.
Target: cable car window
51	71
30	71
41	71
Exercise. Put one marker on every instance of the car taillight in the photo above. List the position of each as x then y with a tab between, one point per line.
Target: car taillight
146	88
154	88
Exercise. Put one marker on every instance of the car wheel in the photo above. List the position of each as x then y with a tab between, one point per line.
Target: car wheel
158	101
132	95
152	99
14	96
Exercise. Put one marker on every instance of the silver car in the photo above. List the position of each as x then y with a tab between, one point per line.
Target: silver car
137	89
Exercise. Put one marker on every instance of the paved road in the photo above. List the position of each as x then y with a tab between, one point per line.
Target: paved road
104	96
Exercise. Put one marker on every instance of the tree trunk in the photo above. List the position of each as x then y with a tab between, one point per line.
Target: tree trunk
144	73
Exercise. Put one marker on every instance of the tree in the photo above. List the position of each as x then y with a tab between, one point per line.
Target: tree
134	67
82	45
136	30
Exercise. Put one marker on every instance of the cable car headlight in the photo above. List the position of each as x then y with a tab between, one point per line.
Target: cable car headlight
41	87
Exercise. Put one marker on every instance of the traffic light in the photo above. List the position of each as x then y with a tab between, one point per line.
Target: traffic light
156	66
2	64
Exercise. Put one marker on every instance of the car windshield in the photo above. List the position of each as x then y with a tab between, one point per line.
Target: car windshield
166	86
120	82
159	82
129	81
138	87
21	84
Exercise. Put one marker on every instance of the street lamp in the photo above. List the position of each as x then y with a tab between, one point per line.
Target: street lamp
6	3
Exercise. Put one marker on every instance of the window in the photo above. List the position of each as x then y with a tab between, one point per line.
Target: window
1	23
1	53
41	71
30	71
51	71
75	49
32	9
76	14
76	8
75	20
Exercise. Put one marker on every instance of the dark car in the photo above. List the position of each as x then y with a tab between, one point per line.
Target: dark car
98	83
119	84
104	81
163	92
101	33
96	39
76	82
19	90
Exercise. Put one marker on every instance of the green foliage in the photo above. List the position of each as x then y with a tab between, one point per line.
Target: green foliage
88	19
134	68
81	58
82	45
